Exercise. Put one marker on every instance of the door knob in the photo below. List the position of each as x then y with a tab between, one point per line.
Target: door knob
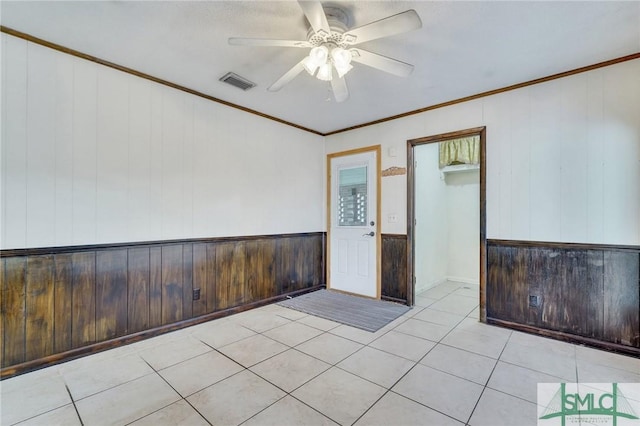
370	234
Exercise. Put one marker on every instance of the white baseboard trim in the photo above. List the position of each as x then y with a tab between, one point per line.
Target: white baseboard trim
464	280
421	288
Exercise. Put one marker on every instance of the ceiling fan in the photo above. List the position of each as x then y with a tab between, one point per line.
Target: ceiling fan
333	44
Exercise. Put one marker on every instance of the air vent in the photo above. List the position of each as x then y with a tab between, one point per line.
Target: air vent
237	81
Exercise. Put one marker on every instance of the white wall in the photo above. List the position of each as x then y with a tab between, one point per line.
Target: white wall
447	234
463	226
92	155
431	236
563	157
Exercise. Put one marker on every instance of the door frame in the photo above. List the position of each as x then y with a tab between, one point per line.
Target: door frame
411	214
378	150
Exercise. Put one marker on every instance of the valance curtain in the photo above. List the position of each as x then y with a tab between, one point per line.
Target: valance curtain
460	151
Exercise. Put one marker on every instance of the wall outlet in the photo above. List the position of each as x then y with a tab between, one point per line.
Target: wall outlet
534	301
393	218
196	294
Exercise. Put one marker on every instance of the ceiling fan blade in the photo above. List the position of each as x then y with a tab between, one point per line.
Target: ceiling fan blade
396	24
383	63
339	87
238	41
315	15
287	77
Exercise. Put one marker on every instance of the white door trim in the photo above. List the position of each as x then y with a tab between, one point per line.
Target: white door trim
378	150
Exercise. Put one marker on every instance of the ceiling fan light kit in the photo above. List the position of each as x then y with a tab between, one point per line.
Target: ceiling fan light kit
331	44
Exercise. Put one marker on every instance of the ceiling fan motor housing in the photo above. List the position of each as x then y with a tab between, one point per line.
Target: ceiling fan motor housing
338	20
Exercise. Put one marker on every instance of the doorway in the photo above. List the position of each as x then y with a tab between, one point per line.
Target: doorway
353	226
413	265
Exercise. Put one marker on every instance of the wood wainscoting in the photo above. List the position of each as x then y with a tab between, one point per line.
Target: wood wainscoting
60	303
394	267
584	293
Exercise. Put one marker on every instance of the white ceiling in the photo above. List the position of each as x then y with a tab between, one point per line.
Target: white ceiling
462	49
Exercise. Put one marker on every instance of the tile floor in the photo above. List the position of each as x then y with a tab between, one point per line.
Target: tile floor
436	365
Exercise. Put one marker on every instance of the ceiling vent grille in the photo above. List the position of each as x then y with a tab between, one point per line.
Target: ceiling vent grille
237	81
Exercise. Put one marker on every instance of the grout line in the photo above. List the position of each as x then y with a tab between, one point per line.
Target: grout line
178	393
74	404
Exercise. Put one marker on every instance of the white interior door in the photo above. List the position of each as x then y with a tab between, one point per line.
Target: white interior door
354	230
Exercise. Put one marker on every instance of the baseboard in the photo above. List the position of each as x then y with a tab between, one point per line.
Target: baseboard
420	289
566	337
464	280
60	358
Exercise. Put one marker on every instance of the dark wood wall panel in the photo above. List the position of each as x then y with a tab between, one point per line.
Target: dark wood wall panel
65	299
261	271
155	286
229	269
14	312
622	298
172	284
39	306
83	306
111	294
63	302
2	280
187	281
588	291
394	267
138	291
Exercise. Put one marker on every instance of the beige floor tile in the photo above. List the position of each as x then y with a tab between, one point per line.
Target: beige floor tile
319	323
159	340
394	409
219	334
170	353
440	391
178	413
424	330
544	344
197	373
32	394
482	345
293	334
541	359
288	313
608	359
434	293
499	409
289	411
63	416
259	321
415	310
97	376
339	395
461	363
329	348
453	304
597	373
356	334
290	370
404	345
374	365
518	381
468	290
253	350
472	325
474	314
127	402
236	399
438	317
